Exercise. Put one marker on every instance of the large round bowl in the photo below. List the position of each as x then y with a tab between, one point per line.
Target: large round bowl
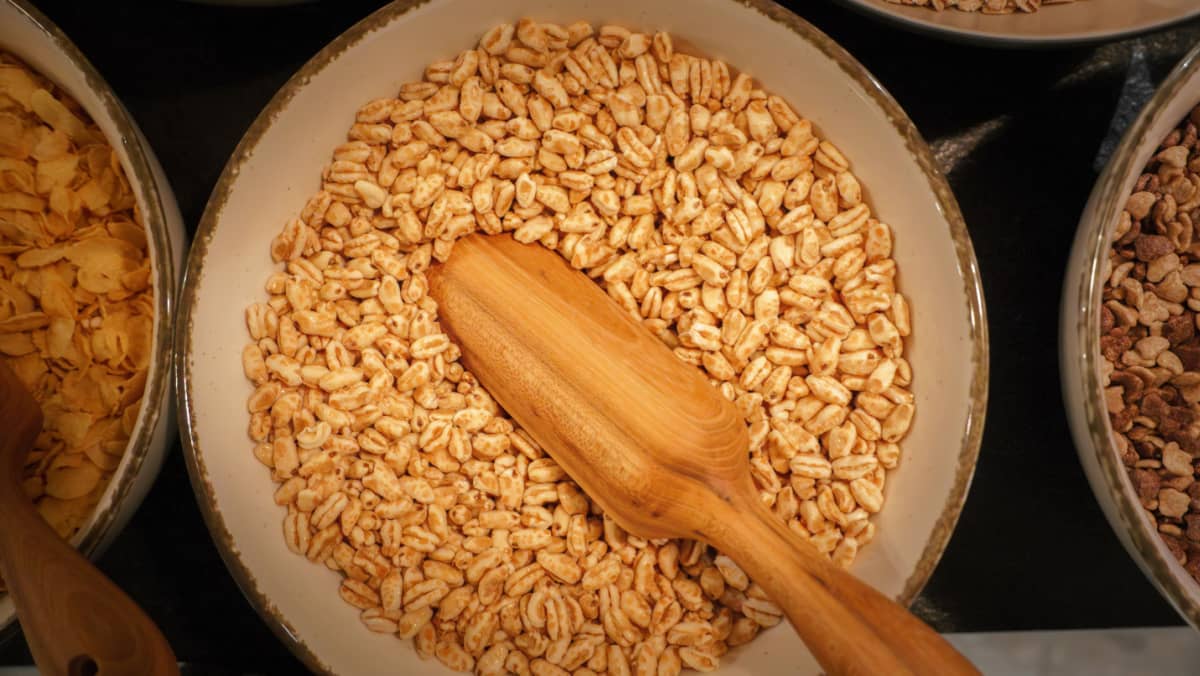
279	161
1053	25
30	36
1080	358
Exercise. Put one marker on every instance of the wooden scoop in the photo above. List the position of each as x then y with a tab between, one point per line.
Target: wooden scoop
658	447
76	621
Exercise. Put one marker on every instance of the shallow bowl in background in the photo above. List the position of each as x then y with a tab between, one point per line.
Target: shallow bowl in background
1051	26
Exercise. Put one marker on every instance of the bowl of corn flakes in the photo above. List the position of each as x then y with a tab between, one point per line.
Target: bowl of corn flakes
91	241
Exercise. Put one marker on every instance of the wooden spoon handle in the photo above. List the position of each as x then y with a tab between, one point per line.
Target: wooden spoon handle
849	627
74	618
76	621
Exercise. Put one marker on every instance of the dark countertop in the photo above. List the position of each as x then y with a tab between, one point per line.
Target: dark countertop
1018	133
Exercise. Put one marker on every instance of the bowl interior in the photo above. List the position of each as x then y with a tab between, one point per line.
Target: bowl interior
33	39
278	166
1114	489
1073	22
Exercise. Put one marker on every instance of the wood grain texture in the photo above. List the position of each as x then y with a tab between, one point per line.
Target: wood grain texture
75	619
657	446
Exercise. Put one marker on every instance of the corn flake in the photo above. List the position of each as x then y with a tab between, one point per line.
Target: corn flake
36	258
51	145
69	483
105	461
20	201
56	172
16	344
17	84
58	337
65	516
54	113
14	142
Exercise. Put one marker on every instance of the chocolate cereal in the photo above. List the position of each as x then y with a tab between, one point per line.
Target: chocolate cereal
1150	344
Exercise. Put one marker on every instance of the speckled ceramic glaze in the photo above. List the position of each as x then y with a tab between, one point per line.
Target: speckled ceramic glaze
39	43
277	166
1078	22
1080	358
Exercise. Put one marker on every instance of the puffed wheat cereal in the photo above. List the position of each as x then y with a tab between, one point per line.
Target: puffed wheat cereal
709	210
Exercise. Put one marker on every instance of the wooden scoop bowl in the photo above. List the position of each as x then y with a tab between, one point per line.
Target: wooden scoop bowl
658	447
76	621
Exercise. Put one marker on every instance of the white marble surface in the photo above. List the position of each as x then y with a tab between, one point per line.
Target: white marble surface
1115	652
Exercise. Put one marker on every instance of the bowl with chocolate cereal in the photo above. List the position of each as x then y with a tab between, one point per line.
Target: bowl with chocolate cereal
1130	349
90	245
789	238
1029	23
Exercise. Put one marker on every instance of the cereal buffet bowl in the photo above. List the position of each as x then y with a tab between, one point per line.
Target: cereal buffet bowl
1136	437
89	254
1051	23
428	509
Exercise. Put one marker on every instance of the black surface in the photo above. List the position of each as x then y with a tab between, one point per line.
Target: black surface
1031	551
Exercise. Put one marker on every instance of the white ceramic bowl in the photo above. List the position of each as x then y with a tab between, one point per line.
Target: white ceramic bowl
278	162
1079	336
30	36
1052	25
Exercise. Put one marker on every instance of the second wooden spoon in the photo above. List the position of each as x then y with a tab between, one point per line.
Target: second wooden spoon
76	621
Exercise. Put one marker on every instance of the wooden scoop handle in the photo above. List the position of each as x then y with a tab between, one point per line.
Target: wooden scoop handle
659	448
76	621
849	627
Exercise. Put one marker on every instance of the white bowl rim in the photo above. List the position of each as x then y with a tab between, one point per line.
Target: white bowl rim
1011	40
1082	295
972	433
154	216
